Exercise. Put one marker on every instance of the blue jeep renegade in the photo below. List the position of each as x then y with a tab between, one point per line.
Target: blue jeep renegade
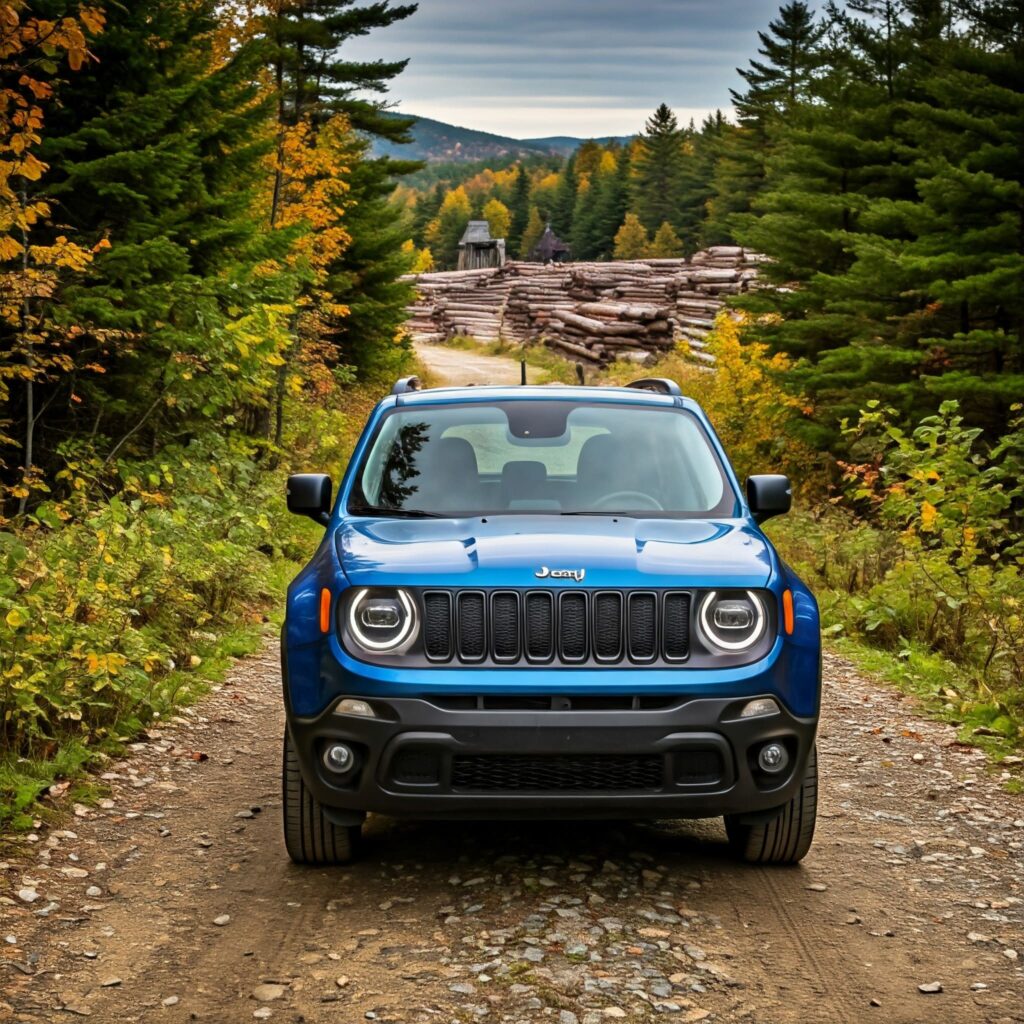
547	602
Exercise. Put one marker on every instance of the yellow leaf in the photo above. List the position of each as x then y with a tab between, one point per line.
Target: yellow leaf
929	513
15	618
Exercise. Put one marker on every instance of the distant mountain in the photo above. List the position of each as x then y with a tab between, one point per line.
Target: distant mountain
566	145
437	142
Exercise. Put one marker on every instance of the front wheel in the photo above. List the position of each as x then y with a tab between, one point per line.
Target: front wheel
787	837
309	836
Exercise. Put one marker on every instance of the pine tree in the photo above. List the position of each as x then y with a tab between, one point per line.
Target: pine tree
667	244
520	207
155	158
532	234
564	207
315	82
612	203
838	209
428	206
657	170
632	241
966	261
776	87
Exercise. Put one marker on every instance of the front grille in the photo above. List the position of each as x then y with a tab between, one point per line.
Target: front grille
568	626
557	773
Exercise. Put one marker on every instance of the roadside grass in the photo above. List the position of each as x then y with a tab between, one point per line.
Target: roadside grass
209	617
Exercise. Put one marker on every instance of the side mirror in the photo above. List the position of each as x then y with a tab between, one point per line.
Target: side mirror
769	495
309	494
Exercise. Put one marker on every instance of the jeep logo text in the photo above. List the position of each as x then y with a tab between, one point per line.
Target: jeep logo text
560	574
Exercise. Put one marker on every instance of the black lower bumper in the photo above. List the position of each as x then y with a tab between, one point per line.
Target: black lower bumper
420	759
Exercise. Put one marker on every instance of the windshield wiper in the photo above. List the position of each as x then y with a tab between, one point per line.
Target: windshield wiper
625	515
394	513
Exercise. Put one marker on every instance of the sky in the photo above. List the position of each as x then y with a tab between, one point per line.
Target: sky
532	68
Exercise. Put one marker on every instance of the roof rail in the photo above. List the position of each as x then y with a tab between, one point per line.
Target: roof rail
406	384
660	385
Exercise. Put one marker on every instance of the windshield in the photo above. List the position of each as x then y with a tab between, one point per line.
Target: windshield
548	456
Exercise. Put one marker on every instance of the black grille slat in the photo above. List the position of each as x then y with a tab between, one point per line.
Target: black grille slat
608	626
557	773
676	626
643	628
472	627
505	626
540	626
572	626
437	625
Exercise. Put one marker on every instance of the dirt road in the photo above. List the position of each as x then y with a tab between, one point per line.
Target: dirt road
457	366
173	901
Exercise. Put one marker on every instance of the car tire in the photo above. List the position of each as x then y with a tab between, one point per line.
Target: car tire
309	836
786	838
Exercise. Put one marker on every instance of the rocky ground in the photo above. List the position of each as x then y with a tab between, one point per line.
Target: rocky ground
173	899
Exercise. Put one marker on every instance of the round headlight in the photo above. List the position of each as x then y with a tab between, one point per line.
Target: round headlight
381	621
733	620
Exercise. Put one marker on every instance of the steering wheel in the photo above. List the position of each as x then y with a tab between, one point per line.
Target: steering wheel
618	497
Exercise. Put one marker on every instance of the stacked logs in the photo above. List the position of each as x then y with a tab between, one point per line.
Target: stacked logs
592	311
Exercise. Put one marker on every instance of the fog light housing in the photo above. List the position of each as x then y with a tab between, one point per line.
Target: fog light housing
772	758
759	708
338	758
351	706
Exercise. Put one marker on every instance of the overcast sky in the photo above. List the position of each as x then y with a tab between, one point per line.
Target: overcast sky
567	67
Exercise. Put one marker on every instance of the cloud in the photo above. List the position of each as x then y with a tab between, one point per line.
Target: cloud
579	66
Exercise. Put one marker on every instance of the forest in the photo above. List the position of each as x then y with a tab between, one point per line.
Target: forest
201	287
876	156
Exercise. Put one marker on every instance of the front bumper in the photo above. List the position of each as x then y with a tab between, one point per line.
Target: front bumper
419	758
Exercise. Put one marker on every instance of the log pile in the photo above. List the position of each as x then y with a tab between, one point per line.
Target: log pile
596	312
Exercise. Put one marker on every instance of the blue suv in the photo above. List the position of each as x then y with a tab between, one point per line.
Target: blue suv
547	602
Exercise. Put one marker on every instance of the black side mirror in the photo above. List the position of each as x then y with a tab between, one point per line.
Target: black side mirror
309	494
769	495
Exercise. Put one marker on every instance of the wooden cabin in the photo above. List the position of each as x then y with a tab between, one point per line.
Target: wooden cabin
477	250
550	249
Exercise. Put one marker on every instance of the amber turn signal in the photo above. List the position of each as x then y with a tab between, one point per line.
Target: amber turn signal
325	610
787	611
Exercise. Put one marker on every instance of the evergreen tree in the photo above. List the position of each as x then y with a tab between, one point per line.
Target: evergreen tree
657	171
316	82
776	87
587	237
520	208
561	214
966	260
428	206
632	241
838	208
154	158
612	203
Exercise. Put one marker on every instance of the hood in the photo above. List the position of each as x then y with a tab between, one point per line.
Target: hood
514	551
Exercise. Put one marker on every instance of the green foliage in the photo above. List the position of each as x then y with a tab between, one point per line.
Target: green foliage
925	559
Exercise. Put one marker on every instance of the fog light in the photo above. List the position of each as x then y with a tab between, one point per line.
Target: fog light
772	758
349	706
759	708
338	758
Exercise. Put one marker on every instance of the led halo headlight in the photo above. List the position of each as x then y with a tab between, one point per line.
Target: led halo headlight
382	621
734	621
